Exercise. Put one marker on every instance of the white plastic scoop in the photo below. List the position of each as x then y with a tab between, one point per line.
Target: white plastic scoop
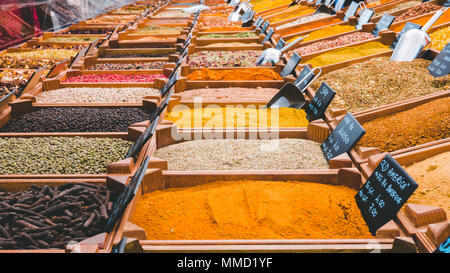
414	41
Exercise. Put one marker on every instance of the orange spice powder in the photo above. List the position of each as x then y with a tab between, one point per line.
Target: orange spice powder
242	74
251	210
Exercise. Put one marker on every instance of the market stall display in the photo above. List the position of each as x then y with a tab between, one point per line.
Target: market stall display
158	125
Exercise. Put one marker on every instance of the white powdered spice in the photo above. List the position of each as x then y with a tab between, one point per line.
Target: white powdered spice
244	154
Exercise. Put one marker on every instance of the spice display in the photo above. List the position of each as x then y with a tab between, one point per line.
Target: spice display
112	19
305	19
96	95
425	123
251	210
433	178
71	39
238	117
267	5
230	94
214	24
43	217
348	53
42	54
153	39
400	6
224	28
292	12
440	38
128	66
13	80
133	55
115	78
77	119
416	11
422	21
379	81
328	44
88	31
243	74
172	14
25	63
233	44
247	34
159	30
244	154
241	58
60	155
328	31
76	47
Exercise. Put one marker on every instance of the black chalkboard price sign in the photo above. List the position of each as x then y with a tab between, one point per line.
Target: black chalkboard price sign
268	35
343	138
447	4
264	27
339	5
440	66
319	104
259	23
364	18
281	43
350	11
384	193
127	195
384	23
407	27
444	247
291	65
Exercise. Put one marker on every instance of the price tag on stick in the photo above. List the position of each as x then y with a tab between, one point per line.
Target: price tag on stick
384	193
364	18
384	23
440	66
291	65
281	43
268	35
127	195
350	11
318	105
264	27
343	138
305	76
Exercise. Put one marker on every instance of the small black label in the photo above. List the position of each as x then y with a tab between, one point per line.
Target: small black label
291	65
364	18
259	22
343	138
384	193
407	27
318	105
280	44
268	36
264	27
127	195
384	23
447	4
350	11
440	66
339	5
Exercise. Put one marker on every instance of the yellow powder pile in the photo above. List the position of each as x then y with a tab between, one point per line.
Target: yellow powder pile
251	210
221	117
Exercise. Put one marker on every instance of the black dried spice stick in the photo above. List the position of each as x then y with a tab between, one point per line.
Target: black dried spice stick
43	217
